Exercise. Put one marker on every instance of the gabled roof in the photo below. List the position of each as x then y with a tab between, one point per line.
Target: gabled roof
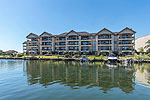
73	32
83	33
127	29
104	30
61	35
31	35
46	33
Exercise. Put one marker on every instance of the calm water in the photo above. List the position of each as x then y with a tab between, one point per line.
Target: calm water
49	80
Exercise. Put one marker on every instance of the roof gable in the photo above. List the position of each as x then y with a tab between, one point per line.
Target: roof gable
72	32
84	33
45	34
104	31
127	30
32	35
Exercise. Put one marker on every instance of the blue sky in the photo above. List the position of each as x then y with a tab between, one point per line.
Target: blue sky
18	18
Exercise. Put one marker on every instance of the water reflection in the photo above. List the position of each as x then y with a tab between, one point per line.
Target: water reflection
77	75
143	74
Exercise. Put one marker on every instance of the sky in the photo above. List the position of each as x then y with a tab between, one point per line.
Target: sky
18	18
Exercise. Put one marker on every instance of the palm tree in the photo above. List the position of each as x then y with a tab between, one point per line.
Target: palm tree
141	49
147	46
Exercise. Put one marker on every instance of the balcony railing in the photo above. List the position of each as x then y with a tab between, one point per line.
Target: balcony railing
126	43
84	38
61	44
61	39
73	49
73	44
75	38
104	43
127	37
46	39
86	44
46	49
32	40
104	49
126	49
104	37
45	44
32	45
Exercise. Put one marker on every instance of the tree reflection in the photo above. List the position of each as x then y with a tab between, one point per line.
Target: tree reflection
77	75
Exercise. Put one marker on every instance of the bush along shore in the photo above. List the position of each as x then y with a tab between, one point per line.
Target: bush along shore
142	58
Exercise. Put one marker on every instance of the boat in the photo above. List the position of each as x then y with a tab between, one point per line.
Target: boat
112	59
83	59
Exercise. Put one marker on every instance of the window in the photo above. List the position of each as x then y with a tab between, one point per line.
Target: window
100	48
115	42
84	48
115	48
94	37
94	42
94	48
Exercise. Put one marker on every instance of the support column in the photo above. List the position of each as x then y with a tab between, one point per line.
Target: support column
79	43
66	44
97	43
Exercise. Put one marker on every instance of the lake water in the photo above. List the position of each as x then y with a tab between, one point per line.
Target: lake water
58	80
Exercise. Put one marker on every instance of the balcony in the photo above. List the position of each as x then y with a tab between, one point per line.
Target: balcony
85	43
126	38
126	44
31	41
104	37
88	44
61	39
46	49
33	45
46	39
85	38
73	43
46	44
105	44
73	49
84	48
73	38
104	48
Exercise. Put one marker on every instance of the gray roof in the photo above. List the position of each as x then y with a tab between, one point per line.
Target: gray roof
83	33
46	33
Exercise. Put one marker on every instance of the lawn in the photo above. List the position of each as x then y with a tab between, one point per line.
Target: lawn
97	57
49	56
55	56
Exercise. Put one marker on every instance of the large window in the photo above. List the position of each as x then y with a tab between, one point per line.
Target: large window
46	38
94	48
115	42
115	48
73	43
84	48
94	42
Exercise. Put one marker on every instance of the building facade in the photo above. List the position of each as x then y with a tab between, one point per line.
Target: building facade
105	42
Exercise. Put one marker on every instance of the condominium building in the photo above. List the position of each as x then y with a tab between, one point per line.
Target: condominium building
105	42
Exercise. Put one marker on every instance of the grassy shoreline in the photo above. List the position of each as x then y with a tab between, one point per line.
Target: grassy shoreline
135	57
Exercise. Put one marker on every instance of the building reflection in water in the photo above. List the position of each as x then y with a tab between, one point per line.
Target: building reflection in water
76	75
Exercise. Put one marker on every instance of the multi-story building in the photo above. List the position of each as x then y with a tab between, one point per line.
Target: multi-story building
104	42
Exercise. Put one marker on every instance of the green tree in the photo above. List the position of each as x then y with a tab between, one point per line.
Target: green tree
1	51
141	49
